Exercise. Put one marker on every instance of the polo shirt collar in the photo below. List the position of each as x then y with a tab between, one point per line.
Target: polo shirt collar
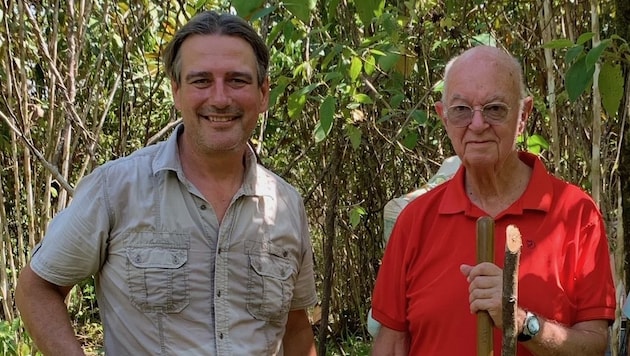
537	196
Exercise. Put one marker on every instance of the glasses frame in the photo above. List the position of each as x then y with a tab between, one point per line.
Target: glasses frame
481	109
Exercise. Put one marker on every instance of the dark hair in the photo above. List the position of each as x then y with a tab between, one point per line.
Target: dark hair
210	23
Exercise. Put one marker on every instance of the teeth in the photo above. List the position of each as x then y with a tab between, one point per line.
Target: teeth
218	118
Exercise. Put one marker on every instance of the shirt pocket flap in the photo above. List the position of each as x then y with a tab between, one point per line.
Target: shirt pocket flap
269	266
152	257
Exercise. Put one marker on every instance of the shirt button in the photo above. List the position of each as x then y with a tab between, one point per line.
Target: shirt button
203	207
221	336
220	250
219	294
285	254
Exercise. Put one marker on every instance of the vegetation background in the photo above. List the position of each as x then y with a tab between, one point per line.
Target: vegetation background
350	122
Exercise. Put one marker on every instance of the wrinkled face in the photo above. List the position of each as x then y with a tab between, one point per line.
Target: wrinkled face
480	77
219	96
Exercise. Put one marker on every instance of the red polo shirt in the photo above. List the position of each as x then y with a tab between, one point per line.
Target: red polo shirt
564	271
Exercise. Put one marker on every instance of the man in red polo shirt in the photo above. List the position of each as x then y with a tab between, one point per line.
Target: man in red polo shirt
429	288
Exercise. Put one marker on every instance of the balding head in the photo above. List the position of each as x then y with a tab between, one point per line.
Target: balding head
472	58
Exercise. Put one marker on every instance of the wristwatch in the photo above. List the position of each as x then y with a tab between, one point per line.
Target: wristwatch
531	327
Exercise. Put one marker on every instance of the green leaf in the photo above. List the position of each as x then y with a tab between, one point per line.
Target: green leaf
558	44
419	116
326	118
355	68
577	78
362	98
355	216
368	9
354	135
573	53
410	140
278	88
585	37
262	13
536	143
388	61
593	55
295	104
370	65
301	9
537	140
611	87
244	8
396	99
485	39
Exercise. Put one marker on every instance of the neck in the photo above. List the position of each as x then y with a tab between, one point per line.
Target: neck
495	191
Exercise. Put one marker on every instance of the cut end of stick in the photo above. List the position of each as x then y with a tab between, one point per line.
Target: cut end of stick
514	241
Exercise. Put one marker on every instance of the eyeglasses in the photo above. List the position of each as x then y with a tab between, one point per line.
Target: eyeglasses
492	113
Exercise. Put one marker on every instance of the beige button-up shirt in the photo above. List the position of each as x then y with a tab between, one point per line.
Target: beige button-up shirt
170	280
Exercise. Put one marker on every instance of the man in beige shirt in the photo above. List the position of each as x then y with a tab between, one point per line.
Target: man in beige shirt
196	248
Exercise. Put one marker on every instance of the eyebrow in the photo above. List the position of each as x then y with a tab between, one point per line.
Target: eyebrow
492	99
206	74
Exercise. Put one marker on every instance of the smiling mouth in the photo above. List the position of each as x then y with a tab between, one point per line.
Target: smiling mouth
224	118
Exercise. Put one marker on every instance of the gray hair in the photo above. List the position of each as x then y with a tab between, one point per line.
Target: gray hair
211	23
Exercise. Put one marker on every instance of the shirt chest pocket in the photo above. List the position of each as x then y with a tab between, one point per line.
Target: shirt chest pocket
269	286
157	274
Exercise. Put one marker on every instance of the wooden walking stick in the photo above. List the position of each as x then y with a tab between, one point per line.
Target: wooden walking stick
485	253
513	244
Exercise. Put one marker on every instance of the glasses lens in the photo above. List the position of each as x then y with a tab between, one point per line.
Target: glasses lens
459	115
496	112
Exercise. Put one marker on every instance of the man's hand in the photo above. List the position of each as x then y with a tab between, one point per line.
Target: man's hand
485	289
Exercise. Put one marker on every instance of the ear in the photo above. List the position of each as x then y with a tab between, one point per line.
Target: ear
175	92
527	107
441	111
264	98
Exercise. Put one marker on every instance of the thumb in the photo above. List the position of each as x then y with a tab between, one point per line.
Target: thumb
465	269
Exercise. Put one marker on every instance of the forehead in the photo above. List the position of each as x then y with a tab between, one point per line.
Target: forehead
483	76
216	52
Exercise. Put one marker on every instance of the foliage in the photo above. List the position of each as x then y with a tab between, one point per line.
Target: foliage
13	342
350	122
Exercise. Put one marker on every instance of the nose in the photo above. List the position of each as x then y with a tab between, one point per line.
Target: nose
219	95
477	117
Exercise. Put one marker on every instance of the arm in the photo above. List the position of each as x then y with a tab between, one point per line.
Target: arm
298	338
584	338
45	315
390	342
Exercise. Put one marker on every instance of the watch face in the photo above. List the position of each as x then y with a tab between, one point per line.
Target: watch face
533	325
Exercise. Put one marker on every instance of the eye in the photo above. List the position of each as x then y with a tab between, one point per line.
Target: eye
494	108
238	82
459	112
200	82
495	111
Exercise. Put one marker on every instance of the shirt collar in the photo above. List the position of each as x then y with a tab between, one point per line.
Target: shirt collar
258	181
537	195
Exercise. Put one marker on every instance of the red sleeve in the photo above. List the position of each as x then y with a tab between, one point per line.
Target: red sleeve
389	306
594	269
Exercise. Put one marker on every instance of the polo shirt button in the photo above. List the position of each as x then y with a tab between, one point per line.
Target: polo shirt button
203	207
221	336
219	294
